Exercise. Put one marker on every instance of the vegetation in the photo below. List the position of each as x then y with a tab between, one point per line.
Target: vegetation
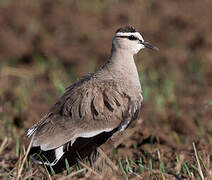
46	46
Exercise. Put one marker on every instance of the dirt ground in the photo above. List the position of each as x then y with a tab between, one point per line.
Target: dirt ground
47	45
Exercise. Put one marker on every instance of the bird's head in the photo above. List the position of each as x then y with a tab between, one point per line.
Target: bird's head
127	38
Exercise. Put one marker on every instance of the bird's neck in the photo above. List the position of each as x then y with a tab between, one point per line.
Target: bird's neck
121	61
121	66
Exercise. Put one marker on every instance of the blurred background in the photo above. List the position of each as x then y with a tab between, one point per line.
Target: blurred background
47	45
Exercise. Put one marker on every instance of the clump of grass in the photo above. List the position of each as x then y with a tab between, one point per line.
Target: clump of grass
186	169
127	167
159	88
121	167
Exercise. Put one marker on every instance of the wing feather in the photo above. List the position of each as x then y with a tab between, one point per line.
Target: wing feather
97	103
84	109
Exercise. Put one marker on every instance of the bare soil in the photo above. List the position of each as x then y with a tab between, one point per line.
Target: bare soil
46	46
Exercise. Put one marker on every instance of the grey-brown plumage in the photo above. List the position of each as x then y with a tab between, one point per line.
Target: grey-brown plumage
94	108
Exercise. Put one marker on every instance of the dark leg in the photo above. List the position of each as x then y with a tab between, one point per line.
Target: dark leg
92	158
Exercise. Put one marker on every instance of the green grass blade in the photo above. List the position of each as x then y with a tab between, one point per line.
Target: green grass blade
201	160
52	170
150	164
17	147
162	167
67	167
140	164
121	167
186	169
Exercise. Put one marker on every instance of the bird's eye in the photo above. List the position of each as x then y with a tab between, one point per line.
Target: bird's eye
132	37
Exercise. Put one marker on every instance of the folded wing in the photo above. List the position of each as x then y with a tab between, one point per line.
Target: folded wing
85	110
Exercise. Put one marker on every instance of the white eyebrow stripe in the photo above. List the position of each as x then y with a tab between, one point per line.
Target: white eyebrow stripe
136	34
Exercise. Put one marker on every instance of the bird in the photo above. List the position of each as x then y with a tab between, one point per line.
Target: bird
92	110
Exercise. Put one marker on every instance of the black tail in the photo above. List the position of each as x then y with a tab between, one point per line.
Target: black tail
82	148
49	158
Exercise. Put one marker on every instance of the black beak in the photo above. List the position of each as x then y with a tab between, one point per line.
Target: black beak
149	45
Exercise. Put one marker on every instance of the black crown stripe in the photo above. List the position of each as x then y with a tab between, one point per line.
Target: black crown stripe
126	29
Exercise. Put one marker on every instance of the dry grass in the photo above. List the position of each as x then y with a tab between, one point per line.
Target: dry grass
39	57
